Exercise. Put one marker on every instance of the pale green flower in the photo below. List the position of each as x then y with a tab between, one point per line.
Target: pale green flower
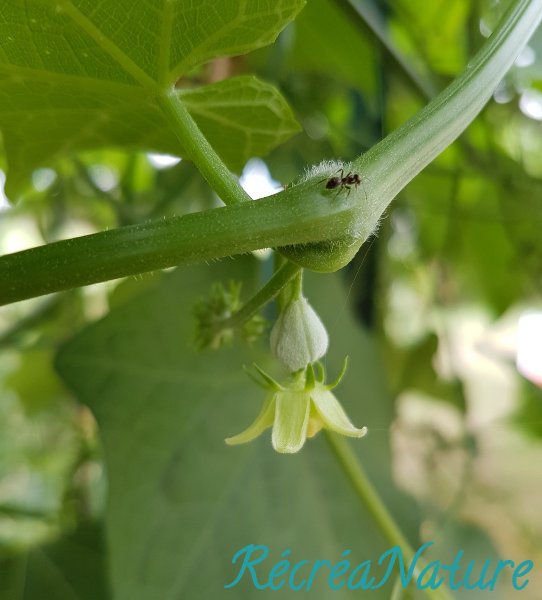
298	411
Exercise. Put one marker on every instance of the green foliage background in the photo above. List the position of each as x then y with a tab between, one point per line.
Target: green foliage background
114	478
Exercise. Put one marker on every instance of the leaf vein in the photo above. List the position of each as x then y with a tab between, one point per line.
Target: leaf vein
107	45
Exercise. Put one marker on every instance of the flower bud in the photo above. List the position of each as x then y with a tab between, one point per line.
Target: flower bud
298	337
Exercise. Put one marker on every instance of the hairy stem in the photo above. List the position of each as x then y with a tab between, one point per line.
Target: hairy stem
218	176
398	158
195	237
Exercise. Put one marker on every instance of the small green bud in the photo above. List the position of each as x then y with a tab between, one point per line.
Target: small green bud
298	337
213	329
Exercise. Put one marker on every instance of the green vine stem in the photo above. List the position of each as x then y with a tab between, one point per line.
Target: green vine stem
393	162
301	214
195	237
370	498
210	165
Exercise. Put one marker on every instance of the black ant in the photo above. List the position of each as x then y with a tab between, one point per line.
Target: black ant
343	182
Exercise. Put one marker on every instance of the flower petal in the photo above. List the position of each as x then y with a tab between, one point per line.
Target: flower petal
261	423
291	420
315	423
333	415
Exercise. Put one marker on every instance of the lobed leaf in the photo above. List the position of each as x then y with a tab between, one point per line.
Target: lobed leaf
78	75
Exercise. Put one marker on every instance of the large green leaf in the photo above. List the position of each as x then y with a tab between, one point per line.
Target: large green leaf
77	74
182	503
73	568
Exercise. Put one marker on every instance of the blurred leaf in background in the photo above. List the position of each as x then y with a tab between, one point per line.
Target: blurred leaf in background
163	424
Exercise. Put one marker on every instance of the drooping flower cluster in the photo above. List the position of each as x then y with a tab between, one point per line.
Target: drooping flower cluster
304	404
